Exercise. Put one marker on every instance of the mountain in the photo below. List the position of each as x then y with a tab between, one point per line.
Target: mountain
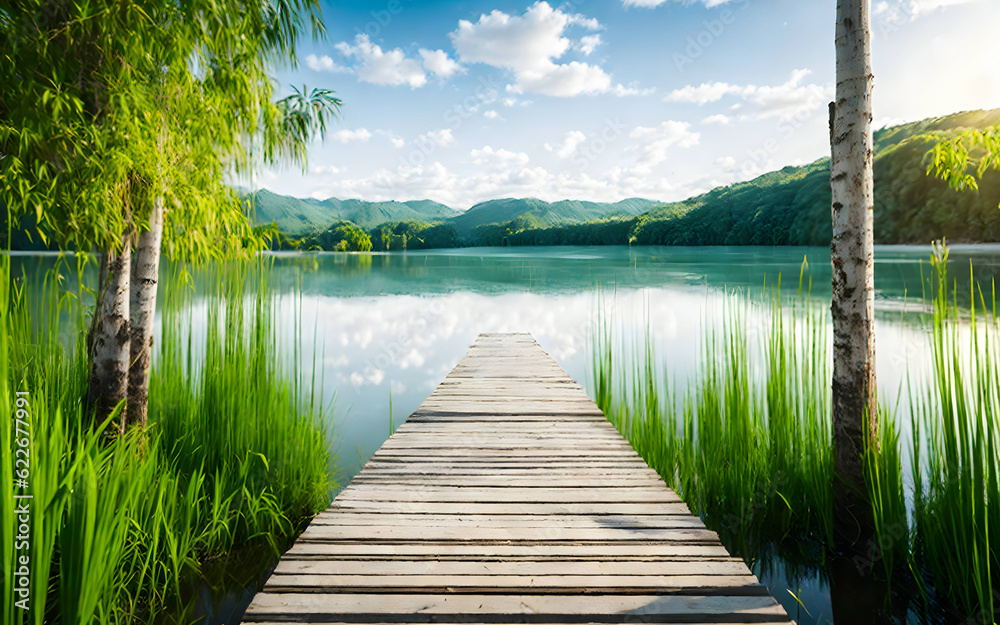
301	216
298	216
537	213
792	206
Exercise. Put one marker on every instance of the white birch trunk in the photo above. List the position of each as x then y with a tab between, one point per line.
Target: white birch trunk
109	340
852	254
145	275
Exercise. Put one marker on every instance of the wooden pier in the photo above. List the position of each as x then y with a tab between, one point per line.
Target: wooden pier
508	498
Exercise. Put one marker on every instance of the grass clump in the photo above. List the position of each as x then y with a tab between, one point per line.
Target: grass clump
957	449
231	456
747	447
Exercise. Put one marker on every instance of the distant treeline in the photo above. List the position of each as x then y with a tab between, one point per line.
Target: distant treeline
786	207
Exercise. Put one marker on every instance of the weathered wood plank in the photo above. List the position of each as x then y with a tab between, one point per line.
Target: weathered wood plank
507	497
477	552
528	567
622	494
662	521
506	534
515	507
689	607
728	585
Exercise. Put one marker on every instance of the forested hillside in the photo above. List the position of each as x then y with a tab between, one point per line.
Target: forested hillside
297	217
534	213
792	206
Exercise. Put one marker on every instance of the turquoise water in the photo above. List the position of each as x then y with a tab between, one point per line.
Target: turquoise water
395	324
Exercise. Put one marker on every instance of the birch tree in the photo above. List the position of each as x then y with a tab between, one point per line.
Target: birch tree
111	112
855	409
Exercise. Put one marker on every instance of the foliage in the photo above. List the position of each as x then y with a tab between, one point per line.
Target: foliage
544	214
234	455
342	237
107	105
521	232
964	159
413	235
275	239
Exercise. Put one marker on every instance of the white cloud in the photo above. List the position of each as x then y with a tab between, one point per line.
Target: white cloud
500	158
790	99
320	169
654	142
439	138
722	120
502	173
528	45
622	91
783	101
396	140
704	93
325	64
588	44
361	135
569	144
491	114
565	81
926	6
379	67
439	63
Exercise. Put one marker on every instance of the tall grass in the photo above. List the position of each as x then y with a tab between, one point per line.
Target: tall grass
957	455
231	457
747	444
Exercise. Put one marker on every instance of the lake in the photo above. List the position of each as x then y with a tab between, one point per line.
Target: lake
385	329
391	326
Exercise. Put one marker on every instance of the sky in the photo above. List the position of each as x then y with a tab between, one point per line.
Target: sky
602	100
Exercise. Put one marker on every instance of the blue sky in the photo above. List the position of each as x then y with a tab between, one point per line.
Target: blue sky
461	102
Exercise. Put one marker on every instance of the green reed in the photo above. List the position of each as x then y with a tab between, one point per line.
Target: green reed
957	454
231	456
748	444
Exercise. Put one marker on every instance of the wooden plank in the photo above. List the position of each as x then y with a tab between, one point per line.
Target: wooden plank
506	534
436	606
729	585
478	552
372	492
523	567
516	507
509	520
540	454
472	481
507	497
508	469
